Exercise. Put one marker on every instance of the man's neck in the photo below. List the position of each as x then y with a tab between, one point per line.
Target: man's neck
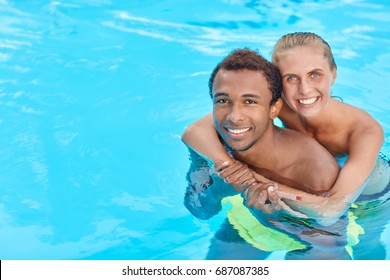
264	153
270	157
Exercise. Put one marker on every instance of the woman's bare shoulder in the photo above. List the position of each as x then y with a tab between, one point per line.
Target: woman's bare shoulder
351	112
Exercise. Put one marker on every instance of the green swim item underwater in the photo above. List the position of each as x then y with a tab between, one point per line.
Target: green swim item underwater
267	239
353	232
253	232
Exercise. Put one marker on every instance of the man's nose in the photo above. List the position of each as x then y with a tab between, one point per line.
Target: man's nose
235	115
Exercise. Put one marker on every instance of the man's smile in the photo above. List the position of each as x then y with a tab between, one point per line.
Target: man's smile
237	130
237	133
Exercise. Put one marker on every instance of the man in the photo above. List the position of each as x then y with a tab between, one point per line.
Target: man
246	91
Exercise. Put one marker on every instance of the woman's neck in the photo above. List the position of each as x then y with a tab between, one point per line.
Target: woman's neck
325	120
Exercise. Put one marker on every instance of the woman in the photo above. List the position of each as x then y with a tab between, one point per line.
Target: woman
308	72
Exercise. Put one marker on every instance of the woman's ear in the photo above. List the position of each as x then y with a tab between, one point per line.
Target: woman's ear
275	108
334	75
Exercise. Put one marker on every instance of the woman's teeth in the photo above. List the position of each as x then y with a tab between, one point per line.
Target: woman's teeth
307	101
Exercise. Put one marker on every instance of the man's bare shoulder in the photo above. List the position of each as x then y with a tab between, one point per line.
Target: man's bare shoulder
311	161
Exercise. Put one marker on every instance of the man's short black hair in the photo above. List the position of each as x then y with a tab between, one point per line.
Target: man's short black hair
246	59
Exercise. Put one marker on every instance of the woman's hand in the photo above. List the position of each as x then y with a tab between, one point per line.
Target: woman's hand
263	197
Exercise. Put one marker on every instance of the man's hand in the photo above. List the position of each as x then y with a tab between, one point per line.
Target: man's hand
236	174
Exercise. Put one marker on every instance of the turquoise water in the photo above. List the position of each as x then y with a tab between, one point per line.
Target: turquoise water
94	96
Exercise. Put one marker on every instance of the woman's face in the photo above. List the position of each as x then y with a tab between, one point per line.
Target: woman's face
307	79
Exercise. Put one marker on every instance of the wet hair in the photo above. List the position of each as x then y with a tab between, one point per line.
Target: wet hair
246	59
300	39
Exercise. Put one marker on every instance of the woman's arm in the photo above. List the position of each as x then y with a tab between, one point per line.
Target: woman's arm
325	210
365	143
202	137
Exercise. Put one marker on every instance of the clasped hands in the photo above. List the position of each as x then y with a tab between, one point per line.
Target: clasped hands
259	192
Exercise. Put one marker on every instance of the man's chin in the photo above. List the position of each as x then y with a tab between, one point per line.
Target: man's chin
241	148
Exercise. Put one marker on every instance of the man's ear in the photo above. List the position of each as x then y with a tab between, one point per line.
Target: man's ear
275	108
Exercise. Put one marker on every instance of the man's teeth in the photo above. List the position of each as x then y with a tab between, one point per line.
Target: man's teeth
237	130
307	101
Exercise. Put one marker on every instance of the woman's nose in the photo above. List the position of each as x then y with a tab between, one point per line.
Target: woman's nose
304	87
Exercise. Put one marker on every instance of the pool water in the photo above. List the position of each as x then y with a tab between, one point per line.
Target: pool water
94	95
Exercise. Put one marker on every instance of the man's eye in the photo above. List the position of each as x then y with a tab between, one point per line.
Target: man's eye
250	101
221	101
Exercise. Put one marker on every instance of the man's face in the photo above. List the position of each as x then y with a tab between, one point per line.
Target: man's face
241	107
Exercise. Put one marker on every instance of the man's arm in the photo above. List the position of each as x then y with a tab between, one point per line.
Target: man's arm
204	192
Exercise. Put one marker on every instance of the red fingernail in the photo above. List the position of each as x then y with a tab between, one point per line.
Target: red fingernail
298	197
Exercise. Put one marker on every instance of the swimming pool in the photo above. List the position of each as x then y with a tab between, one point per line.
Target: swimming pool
94	96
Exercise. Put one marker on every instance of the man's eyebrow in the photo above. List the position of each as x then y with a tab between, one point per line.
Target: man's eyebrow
218	94
251	95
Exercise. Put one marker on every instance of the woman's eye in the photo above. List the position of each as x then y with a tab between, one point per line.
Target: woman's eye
315	75
250	102
291	78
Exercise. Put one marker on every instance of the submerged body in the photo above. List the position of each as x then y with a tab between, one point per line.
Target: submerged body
248	233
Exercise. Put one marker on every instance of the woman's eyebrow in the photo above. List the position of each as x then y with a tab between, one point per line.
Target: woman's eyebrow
288	74
316	70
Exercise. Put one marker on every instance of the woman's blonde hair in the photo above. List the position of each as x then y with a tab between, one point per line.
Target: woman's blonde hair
298	39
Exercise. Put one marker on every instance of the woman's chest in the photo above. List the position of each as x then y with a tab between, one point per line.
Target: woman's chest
336	143
334	137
